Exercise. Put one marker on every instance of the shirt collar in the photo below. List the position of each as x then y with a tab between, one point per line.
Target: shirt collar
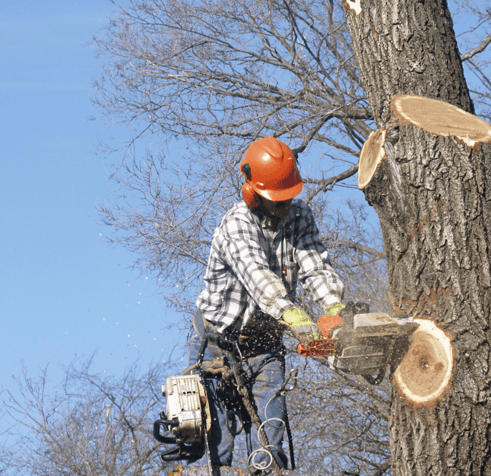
265	221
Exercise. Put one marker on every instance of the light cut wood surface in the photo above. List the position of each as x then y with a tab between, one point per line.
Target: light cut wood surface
440	118
372	153
425	373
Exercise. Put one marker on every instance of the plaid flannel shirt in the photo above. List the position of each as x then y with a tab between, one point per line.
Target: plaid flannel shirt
253	268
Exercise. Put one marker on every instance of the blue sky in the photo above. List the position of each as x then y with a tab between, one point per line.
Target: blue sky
63	291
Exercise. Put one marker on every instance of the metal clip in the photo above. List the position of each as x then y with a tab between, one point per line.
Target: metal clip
293	374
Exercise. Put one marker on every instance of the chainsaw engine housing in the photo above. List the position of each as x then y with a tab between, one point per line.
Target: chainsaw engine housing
185	401
367	343
188	418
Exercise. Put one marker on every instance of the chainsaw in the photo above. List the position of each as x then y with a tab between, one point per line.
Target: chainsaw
362	343
187	420
419	352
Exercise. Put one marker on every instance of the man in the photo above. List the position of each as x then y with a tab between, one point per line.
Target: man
262	248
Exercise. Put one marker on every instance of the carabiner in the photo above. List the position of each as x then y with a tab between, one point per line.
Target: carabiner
293	374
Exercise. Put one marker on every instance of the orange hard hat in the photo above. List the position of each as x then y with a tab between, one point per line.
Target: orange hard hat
272	171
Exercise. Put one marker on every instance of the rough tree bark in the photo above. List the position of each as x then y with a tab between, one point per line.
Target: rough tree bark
432	196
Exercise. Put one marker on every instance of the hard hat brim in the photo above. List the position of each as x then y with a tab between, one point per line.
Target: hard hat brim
280	195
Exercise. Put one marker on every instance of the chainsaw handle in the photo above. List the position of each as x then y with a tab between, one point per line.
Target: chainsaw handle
376	380
348	315
168	440
349	312
182	452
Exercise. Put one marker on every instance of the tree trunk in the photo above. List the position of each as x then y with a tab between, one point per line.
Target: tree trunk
432	196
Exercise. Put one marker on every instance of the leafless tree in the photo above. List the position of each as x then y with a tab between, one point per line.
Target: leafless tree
432	198
477	64
196	82
339	422
91	425
94	425
203	80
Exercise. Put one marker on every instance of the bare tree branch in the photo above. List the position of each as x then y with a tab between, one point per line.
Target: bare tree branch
477	50
323	184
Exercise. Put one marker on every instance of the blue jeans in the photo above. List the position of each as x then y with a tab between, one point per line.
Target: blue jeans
264	376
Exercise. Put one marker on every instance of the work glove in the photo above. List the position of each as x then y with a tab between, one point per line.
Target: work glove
332	318
302	327
335	309
328	322
348	309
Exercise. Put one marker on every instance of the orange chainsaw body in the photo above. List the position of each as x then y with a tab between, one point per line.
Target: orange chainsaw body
325	347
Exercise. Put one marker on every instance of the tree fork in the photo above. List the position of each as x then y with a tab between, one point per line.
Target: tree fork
432	196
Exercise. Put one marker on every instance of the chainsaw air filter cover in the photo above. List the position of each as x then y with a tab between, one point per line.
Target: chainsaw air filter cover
187	403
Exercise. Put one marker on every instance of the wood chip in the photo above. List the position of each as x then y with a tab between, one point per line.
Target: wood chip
372	153
440	118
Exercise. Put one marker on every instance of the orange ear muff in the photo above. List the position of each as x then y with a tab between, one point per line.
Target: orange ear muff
249	195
